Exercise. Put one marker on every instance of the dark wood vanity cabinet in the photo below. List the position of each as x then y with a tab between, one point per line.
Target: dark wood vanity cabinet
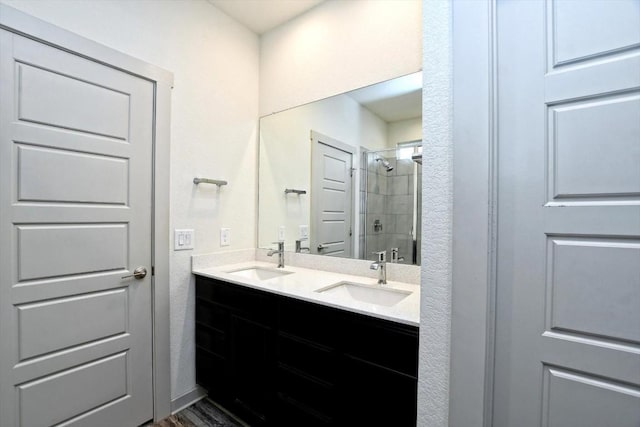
235	347
278	361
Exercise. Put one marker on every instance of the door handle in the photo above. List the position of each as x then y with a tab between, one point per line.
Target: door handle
139	273
321	247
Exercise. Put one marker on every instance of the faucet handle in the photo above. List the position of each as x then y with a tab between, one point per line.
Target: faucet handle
382	255
395	252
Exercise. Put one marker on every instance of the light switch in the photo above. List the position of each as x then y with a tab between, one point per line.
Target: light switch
281	233
225	236
304	232
183	240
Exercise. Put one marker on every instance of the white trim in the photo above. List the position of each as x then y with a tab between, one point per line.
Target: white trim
21	23
188	399
318	137
161	255
474	212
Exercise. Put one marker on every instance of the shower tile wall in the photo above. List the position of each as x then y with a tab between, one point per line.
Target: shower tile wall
390	201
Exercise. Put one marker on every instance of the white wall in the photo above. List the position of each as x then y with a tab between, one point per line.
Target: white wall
285	158
214	114
336	47
437	190
404	131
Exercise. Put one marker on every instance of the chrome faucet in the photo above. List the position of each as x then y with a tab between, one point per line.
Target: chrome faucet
280	253
381	266
299	248
395	255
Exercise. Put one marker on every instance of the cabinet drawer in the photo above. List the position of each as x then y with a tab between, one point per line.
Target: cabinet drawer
211	315
383	343
311	321
211	340
255	305
310	358
313	394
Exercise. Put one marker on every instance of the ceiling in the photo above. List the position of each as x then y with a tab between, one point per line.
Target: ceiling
261	16
393	100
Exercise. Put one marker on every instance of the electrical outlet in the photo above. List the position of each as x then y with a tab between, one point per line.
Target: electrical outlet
281	231
183	239
304	232
225	236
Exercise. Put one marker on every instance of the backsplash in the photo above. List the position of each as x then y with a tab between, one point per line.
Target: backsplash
395	272
356	267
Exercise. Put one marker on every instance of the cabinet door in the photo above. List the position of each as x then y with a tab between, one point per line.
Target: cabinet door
376	396
305	388
212	350
252	369
213	374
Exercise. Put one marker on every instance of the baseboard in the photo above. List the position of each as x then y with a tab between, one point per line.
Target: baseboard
188	399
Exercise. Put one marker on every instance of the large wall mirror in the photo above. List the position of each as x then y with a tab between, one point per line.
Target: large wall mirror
342	176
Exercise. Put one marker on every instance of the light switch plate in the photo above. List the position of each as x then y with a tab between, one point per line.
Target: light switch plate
281	231
304	232
183	239
225	236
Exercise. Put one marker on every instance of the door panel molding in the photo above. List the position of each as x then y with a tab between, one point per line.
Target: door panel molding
590	400
42	404
22	24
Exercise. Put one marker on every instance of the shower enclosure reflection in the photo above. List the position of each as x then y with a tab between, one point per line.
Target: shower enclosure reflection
390	198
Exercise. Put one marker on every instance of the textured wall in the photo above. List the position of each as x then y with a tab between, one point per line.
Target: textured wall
435	308
213	125
336	47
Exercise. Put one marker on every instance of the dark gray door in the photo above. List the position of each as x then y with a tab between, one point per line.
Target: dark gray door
75	208
568	299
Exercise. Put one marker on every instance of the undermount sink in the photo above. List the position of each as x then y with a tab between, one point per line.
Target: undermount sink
372	294
259	273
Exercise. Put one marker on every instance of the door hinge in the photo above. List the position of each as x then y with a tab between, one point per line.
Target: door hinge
153	270
350	232
351	171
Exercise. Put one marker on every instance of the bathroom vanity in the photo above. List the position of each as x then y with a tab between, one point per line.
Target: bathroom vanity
277	352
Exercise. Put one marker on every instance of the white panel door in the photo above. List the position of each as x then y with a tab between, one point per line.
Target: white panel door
568	297
75	217
331	198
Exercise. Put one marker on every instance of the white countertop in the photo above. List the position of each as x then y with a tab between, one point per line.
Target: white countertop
303	282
